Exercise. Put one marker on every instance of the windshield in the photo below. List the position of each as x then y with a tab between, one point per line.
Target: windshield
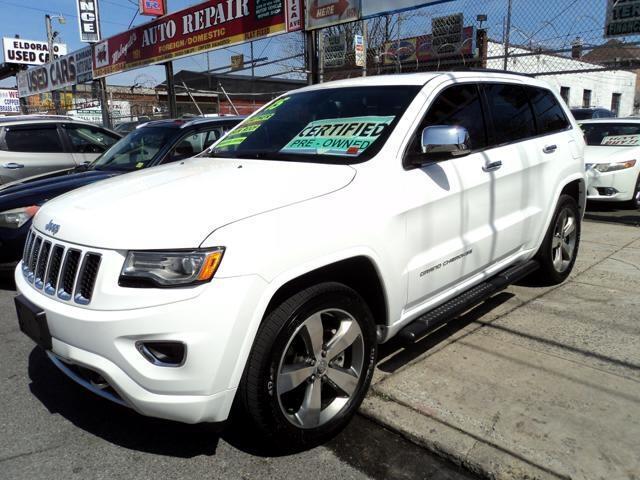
338	125
612	134
135	151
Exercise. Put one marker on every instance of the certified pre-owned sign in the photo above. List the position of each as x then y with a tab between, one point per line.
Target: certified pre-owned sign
64	72
30	52
88	18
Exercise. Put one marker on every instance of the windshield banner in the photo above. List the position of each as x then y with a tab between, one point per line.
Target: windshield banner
338	136
621	140
207	26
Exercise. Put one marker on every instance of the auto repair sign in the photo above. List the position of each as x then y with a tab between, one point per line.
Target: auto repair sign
207	26
30	52
64	72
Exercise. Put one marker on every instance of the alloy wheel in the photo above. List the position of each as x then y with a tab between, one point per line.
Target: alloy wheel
320	368
565	235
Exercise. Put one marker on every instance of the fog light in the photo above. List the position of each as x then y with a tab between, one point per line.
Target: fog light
163	353
606	191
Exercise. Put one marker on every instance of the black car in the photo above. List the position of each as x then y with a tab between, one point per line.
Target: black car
154	143
593	112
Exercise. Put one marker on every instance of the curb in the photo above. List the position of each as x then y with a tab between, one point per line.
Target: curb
459	447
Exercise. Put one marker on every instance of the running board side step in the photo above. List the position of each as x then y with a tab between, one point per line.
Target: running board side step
466	300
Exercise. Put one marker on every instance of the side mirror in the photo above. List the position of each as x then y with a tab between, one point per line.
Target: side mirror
443	141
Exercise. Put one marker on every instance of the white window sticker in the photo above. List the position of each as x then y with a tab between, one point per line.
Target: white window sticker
621	140
338	136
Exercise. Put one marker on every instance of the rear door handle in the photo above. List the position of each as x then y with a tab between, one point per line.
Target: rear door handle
550	148
12	165
492	166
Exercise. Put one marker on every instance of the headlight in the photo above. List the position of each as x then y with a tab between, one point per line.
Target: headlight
170	269
612	167
17	217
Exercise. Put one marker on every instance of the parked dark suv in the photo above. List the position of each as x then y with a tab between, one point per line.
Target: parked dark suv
593	112
154	143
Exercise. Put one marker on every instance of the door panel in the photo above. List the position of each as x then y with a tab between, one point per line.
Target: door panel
32	150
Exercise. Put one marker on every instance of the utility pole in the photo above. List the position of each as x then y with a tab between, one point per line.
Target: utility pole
507	35
311	55
55	95
171	90
365	45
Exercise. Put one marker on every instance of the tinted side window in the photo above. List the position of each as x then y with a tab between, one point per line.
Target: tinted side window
549	115
459	105
511	112
33	140
89	139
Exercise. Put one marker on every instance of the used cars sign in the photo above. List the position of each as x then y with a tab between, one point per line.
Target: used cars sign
207	26
30	52
64	72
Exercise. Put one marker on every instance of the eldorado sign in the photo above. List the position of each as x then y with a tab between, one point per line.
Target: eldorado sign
209	25
64	72
30	52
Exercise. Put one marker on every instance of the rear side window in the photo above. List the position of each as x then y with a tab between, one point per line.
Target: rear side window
33	140
459	105
511	112
549	114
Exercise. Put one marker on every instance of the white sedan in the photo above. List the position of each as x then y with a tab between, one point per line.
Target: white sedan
612	160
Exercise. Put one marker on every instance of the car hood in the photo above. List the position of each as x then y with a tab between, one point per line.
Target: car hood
179	205
40	189
606	154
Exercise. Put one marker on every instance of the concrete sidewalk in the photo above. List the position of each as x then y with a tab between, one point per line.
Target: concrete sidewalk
536	382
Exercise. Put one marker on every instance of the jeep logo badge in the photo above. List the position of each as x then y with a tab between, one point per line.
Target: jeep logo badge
52	227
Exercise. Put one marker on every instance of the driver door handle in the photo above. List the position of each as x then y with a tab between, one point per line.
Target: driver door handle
550	148
12	165
492	166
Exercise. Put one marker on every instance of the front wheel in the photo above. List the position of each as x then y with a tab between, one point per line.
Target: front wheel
310	366
634	203
559	249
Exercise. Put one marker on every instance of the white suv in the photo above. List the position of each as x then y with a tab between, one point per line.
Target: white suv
265	273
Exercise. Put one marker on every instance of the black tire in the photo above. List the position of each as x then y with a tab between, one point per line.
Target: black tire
259	395
549	273
634	203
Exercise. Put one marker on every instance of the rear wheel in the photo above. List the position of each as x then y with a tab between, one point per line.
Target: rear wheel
310	366
559	249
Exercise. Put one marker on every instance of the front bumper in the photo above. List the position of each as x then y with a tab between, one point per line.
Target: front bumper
615	186
213	326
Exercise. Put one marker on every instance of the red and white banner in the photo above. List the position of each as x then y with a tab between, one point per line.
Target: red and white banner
207	26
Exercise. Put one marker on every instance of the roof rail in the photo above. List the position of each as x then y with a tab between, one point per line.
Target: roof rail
491	70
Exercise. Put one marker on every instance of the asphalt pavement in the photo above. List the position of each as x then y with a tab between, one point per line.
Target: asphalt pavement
53	429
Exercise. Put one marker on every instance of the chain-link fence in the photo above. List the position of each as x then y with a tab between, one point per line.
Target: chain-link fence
564	41
229	81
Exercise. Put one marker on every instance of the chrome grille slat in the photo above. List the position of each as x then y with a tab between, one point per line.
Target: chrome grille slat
51	283
33	259
66	272
41	265
69	273
87	278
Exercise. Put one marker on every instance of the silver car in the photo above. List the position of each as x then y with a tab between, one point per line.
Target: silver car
33	145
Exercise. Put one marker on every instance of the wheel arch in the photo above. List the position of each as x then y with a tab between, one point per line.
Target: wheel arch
357	272
576	187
